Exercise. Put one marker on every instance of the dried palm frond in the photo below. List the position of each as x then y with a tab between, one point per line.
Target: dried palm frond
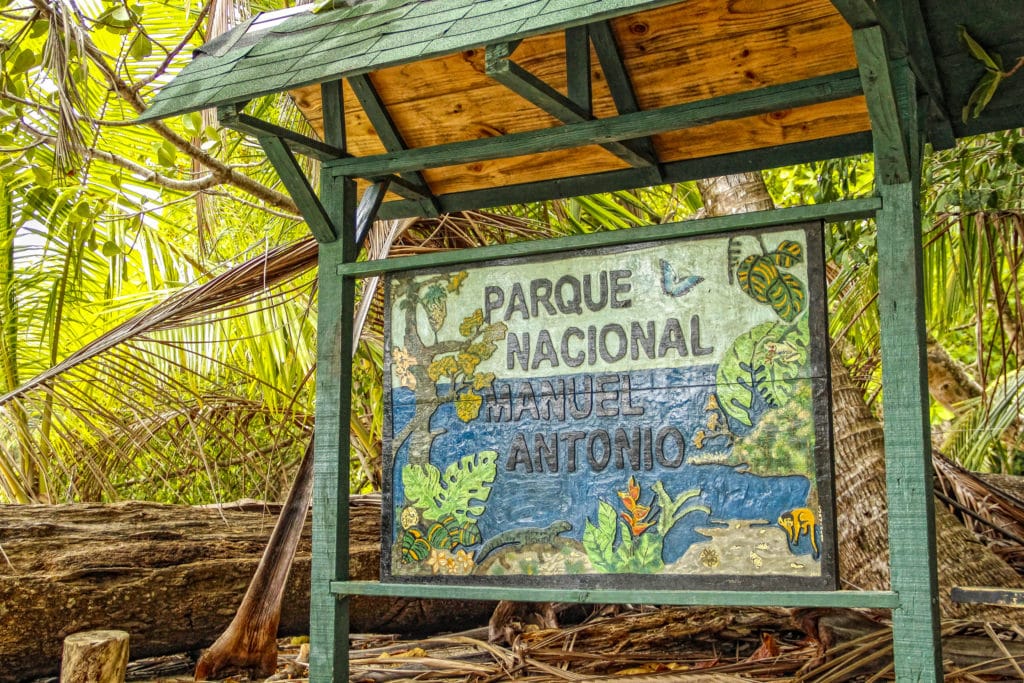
156	404
995	515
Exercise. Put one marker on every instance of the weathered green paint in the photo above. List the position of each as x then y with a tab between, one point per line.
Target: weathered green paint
922	61
333	109
624	127
853	599
620	85
905	406
329	617
369	203
838	211
610	181
890	145
577	69
231	116
317	218
520	81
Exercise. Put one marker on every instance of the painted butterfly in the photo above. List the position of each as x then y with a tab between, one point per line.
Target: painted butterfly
672	284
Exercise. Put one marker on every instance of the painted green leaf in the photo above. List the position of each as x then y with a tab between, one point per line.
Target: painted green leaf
788	254
755	275
435	302
766	361
787	296
414	547
738	373
648	552
466	484
599	540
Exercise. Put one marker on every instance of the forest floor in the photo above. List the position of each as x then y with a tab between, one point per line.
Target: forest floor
732	650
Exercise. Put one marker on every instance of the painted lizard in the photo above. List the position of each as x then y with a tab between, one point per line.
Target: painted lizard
523	536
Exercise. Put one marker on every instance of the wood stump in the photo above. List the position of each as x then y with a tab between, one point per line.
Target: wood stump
95	657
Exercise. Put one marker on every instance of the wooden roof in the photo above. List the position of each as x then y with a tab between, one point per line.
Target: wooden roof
417	75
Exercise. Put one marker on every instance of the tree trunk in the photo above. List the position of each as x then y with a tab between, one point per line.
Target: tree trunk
860	469
171	576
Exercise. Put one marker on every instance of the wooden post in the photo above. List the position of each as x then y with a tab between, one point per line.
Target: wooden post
329	616
916	641
94	657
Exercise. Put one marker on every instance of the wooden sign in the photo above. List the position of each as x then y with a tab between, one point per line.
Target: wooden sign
648	416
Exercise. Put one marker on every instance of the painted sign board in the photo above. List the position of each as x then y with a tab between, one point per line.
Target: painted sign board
656	415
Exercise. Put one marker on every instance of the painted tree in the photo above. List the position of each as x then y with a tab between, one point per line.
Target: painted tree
445	365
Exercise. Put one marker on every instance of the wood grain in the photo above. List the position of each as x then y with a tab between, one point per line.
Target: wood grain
680	53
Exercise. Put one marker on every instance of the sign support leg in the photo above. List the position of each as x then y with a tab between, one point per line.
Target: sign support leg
916	629
329	618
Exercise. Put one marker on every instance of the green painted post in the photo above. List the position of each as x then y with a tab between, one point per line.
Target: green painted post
328	613
328	628
916	640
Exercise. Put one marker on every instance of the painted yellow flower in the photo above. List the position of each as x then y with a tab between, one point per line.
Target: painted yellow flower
463	563
410	517
439	561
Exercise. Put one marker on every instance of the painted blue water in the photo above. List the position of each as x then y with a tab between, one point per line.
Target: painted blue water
675	398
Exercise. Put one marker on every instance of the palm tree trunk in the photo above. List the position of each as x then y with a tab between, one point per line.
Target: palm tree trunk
860	467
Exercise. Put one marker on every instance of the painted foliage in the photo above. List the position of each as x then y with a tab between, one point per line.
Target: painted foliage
660	410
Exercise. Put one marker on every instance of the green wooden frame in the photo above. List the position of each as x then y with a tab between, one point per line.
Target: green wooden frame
890	76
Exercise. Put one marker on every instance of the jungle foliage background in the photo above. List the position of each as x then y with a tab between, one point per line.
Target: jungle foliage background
157	286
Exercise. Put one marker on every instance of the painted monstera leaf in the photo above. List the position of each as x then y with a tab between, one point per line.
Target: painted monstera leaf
762	280
460	492
765	361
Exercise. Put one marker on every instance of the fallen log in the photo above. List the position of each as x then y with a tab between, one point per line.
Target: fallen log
171	576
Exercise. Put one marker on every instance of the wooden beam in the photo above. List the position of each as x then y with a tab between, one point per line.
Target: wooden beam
627	126
627	179
620	85
577	69
836	211
907	37
891	164
917	645
231	116
366	212
875	599
329	615
332	107
298	187
857	13
922	61
1006	597
387	131
520	81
